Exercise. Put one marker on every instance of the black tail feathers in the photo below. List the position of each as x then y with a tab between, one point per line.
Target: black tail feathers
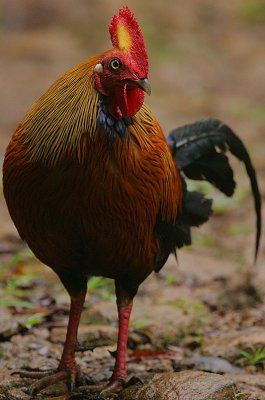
196	210
199	152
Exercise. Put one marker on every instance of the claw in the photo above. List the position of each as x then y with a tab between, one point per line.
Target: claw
112	387
133	380
34	374
104	389
48	378
47	381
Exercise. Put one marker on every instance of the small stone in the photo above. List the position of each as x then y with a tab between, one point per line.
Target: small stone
43	351
208	364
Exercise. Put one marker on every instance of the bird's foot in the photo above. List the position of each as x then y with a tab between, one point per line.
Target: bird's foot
71	376
104	389
107	389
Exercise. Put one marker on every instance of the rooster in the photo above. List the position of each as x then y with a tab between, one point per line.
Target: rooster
95	189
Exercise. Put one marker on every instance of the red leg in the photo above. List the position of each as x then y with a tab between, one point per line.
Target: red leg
68	357
125	294
119	372
67	370
124	304
124	312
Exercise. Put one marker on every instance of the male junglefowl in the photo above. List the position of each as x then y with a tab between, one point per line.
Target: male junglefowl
94	187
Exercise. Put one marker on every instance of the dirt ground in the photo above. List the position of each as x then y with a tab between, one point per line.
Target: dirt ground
206	312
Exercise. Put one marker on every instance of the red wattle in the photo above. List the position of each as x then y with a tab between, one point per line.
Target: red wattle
125	101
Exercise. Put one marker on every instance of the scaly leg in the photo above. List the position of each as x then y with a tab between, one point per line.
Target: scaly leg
67	370
68	357
124	312
124	305
125	293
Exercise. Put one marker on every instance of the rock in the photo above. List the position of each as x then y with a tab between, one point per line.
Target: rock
185	385
216	365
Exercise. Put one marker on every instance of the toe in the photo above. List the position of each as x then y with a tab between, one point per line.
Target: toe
47	381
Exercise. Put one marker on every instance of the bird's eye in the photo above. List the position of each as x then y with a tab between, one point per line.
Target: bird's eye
115	64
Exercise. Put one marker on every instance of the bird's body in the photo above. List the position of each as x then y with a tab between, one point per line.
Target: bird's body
88	187
93	187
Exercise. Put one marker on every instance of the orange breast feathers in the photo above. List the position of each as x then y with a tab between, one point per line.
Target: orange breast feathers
134	182
158	171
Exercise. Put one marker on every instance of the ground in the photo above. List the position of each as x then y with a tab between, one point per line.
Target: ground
206	60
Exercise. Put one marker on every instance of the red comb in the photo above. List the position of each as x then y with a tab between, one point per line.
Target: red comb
126	35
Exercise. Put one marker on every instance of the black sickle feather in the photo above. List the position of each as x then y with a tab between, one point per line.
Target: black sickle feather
198	150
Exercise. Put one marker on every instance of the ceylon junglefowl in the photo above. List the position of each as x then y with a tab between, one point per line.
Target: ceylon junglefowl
94	187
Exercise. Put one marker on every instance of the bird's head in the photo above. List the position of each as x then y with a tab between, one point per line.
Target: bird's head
121	74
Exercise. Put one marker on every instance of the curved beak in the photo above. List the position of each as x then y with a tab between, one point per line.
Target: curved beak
142	84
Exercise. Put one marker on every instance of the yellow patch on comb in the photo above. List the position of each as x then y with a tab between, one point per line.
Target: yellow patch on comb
124	38
126	35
